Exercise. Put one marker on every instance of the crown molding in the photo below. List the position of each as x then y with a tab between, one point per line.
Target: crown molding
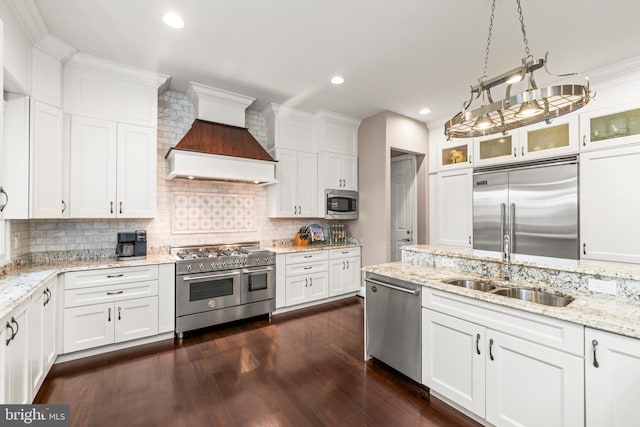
29	16
56	47
629	67
196	91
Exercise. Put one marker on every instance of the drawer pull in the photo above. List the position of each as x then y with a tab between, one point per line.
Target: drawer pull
115	293
308	256
119	318
490	349
111	276
13	333
345	252
594	343
308	268
478	343
109	315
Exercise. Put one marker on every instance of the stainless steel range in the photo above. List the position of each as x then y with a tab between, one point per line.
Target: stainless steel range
220	283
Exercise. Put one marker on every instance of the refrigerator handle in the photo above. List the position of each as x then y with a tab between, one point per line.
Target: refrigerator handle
503	208
512	221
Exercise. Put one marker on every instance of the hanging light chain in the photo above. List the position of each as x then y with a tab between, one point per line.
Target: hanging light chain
486	56
524	31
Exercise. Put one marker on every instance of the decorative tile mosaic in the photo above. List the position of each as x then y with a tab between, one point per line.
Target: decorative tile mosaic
208	212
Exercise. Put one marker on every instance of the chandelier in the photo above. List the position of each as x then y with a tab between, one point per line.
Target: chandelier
533	105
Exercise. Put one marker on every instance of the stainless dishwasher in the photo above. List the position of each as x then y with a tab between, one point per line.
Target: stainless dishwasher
393	321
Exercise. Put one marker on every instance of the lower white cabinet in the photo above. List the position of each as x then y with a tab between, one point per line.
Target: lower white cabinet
612	379
42	333
14	360
344	271
510	368
307	287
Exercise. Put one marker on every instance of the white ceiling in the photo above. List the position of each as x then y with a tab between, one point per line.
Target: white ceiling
395	55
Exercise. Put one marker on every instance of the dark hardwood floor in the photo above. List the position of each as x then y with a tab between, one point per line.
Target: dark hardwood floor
301	369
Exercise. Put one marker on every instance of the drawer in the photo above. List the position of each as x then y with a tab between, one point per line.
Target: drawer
540	329
110	276
109	293
307	256
307	268
344	253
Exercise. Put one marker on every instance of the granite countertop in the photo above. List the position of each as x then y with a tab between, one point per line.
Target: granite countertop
19	285
617	316
312	247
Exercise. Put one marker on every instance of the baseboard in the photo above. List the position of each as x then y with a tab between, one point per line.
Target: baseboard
113	347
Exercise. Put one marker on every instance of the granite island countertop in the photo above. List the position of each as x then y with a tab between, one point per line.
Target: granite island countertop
611	315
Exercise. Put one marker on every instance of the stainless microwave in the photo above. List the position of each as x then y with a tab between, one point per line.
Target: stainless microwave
340	204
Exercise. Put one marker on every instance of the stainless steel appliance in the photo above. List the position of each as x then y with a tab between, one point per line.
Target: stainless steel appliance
132	245
220	283
394	329
535	205
340	204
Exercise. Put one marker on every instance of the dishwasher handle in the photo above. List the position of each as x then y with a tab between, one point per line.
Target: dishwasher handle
397	288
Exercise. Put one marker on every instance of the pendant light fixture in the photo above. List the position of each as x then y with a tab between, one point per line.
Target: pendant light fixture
530	106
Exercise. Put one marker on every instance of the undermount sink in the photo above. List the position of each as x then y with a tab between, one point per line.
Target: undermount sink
538	297
477	285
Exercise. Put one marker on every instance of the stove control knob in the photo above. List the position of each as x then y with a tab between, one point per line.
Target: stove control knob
213	265
201	266
188	267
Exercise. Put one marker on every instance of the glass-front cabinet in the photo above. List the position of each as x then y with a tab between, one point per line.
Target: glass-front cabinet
543	140
455	154
608	127
497	148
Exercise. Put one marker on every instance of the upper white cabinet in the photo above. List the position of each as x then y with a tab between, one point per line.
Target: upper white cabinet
532	142
612	379
295	193
337	172
609	204
46	77
113	169
456	154
14	157
337	133
289	128
453	208
610	126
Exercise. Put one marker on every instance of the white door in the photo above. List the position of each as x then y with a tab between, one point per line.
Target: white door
337	283
453	359
136	318
296	290
612	379
403	203
93	168
14	157
136	171
528	384
349	173
307	185
318	286
47	162
284	194
88	326
36	334
352	277
454	206
49	328
17	385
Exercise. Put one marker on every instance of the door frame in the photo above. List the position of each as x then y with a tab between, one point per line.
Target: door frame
413	190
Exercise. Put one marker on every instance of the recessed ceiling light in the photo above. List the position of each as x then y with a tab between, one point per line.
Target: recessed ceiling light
337	80
173	20
425	111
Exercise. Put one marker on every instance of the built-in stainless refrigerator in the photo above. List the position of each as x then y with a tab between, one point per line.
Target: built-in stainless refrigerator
535	204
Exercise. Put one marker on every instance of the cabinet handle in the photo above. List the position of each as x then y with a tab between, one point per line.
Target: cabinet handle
490	349
478	343
469	239
111	204
111	276
470	156
14	321
306	282
343	265
6	199
522	151
13	334
310	281
64	206
120	207
119	318
584	140
594	344
308	256
584	249
109	315
115	293
347	264
47	293
308	268
515	153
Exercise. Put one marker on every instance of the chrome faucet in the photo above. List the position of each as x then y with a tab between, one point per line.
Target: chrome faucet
506	258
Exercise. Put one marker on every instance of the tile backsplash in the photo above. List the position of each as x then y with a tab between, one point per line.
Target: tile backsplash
42	238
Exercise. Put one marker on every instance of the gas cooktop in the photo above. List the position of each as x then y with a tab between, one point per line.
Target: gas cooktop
205	258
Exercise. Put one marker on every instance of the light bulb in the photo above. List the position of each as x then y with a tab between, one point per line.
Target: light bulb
483	122
529	109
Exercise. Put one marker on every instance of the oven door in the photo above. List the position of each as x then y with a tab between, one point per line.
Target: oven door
197	293
258	284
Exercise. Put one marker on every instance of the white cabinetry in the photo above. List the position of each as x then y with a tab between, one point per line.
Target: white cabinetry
14	348
109	306
46	77
42	333
612	379
289	128
344	271
14	157
307	278
295	193
336	133
337	171
456	154
609	196
454	206
611	126
113	169
478	355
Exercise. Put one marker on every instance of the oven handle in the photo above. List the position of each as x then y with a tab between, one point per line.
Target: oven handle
261	270
211	276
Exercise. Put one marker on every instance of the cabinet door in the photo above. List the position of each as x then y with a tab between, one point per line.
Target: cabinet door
551	384
49	326
453	359
296	290
283	196
353	281
36	333
17	387
612	379
136	171
495	149
609	203
47	162
136	318
93	168
543	140
454	208
318	286
331	171
307	179
610	126
455	155
337	277
14	157
349	173
88	326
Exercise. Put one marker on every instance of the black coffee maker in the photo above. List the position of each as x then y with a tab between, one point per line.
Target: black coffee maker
132	245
